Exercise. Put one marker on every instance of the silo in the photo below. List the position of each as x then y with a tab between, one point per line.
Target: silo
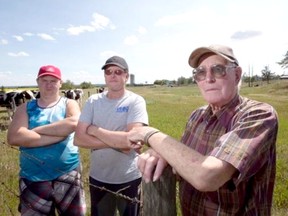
132	79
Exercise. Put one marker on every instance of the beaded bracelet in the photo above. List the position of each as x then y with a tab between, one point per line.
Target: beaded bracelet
149	134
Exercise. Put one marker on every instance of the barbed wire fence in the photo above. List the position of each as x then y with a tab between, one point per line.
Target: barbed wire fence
16	194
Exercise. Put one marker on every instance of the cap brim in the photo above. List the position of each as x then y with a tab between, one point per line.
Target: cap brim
119	65
198	53
49	74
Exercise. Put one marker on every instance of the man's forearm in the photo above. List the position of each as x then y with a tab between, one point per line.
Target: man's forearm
89	142
29	138
60	128
115	139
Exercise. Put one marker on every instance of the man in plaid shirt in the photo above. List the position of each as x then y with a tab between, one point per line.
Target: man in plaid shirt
227	155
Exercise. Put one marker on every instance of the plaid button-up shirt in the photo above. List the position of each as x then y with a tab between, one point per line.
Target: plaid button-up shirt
243	134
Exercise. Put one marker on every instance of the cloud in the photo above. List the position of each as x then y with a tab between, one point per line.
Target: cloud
76	30
18	38
28	34
99	22
19	54
5	73
3	42
45	36
142	30
242	35
131	40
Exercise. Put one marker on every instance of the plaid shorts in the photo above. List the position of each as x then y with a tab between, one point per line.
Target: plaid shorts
64	194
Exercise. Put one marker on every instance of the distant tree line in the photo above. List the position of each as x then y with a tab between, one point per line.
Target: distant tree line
180	81
84	85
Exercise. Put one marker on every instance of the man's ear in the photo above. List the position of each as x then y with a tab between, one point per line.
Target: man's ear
238	74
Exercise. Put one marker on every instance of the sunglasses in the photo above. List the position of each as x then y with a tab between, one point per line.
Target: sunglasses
217	71
117	72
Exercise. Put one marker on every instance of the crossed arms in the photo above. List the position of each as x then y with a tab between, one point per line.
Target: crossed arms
94	137
20	135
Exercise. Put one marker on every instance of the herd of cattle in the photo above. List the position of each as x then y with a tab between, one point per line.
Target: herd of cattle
11	100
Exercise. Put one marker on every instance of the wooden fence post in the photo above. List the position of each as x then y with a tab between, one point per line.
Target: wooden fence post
159	198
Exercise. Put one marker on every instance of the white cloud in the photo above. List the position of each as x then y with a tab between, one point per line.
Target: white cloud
45	36
131	40
28	34
18	38
142	30
3	42
76	30
19	54
5	73
99	22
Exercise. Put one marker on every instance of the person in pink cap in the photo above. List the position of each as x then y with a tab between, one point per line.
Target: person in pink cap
43	129
226	159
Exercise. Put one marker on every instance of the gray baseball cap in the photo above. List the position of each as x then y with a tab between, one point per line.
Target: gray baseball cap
116	60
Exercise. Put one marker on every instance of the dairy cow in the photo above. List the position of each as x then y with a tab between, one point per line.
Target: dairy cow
75	94
11	100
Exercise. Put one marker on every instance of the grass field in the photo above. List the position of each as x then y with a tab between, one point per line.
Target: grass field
168	109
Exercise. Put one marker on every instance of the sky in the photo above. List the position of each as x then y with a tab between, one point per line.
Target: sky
155	37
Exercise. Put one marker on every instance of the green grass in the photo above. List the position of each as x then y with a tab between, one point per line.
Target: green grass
168	109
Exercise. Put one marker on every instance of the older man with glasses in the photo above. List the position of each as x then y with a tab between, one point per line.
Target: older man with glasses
226	159
103	125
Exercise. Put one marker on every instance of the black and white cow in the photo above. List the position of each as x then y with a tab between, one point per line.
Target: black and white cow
100	90
75	94
36	93
11	100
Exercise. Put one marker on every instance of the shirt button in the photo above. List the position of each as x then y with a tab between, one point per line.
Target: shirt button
226	150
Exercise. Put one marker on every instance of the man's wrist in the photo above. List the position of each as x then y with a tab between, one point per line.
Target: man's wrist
149	134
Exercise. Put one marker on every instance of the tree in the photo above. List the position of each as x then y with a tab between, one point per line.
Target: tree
86	85
284	62
181	80
161	82
266	74
190	80
68	85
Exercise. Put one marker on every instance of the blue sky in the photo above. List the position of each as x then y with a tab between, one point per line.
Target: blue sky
156	37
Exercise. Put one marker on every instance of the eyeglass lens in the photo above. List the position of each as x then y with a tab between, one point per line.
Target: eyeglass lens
217	71
117	72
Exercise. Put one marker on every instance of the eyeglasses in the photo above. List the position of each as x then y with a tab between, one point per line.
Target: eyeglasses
117	72
217	71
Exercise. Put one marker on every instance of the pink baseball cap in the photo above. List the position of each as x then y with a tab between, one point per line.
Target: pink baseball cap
49	70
